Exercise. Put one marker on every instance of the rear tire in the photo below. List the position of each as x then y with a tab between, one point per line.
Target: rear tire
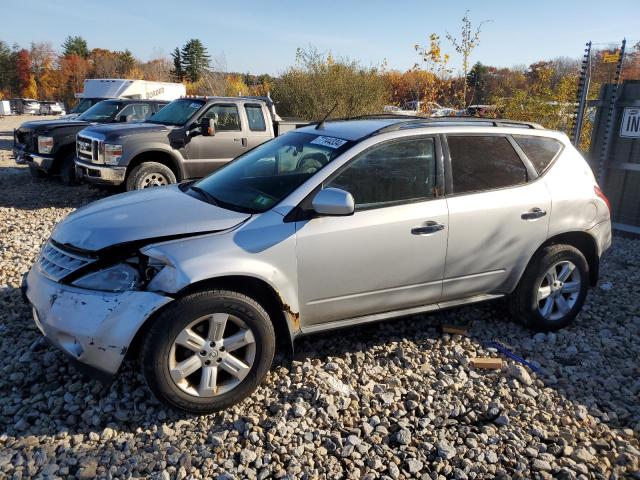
149	174
552	289
193	348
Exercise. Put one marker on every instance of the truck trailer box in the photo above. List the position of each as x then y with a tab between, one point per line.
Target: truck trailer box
135	89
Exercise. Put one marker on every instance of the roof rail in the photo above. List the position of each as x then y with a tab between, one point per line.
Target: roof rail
443	121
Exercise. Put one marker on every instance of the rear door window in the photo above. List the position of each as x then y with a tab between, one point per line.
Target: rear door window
225	117
484	163
255	118
539	150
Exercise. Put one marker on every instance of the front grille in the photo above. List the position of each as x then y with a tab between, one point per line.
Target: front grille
56	263
24	138
85	148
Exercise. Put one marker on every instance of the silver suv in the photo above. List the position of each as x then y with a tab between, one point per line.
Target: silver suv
333	225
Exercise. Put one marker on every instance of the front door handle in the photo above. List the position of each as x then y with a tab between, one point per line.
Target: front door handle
533	214
243	140
428	228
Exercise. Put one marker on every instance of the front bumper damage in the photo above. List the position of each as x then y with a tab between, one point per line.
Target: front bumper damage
94	328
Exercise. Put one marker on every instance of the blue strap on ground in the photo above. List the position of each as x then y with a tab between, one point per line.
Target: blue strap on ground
505	351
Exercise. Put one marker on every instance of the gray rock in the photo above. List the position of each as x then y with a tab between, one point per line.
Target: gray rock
446	450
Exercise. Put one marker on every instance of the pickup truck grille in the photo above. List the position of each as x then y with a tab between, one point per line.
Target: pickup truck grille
87	148
24	139
56	263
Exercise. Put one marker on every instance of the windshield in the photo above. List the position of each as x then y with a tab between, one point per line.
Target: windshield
262	177
101	112
177	112
82	106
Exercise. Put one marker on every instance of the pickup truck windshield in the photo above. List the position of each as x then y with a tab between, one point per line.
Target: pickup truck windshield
262	177
177	112
101	112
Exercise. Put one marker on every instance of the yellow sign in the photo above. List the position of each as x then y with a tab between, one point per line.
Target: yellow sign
611	57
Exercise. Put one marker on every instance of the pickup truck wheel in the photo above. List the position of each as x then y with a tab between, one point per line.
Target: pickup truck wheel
149	174
553	288
68	170
36	173
208	351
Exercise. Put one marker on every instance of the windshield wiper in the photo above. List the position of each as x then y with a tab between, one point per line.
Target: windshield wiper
210	198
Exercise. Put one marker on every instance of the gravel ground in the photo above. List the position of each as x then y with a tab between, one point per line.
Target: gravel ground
392	400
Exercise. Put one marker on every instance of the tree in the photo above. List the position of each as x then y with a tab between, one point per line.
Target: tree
8	74
318	82
126	62
177	72
26	80
194	59
477	79
435	64
75	46
468	41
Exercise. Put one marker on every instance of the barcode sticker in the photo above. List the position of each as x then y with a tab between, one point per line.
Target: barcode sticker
330	142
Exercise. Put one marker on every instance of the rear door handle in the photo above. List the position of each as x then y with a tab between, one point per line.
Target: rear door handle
243	140
533	214
428	228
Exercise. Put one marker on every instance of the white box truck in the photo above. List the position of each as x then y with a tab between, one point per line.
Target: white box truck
98	89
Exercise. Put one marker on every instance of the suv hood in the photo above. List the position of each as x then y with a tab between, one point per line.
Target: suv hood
126	129
148	214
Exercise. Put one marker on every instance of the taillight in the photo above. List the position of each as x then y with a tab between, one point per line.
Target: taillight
601	194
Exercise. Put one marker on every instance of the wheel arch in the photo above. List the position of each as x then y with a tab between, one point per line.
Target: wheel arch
61	154
581	240
158	156
285	321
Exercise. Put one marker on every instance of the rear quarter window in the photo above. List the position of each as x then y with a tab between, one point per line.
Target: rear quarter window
480	163
540	150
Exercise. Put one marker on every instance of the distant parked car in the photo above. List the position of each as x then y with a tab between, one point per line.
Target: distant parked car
25	106
49	107
332	225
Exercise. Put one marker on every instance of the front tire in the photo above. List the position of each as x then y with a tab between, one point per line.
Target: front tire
68	170
552	290
149	174
208	351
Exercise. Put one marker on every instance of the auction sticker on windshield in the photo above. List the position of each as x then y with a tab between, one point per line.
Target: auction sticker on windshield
330	142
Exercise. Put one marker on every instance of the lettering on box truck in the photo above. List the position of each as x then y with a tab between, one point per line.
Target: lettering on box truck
155	93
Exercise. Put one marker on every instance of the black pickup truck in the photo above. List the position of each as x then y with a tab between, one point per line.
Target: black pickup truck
49	146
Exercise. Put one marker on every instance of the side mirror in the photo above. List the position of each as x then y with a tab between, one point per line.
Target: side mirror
207	127
333	202
122	118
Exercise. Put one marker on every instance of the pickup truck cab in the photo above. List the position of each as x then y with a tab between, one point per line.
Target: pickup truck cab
189	138
49	146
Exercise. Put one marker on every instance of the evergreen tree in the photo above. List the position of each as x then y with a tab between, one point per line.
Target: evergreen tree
477	80
126	62
75	46
195	59
177	72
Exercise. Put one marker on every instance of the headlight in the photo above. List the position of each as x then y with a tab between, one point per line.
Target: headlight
112	153
45	144
118	278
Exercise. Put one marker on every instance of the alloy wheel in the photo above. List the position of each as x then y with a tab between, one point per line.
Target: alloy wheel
559	290
212	355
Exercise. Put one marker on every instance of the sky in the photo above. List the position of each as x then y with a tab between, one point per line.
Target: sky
262	36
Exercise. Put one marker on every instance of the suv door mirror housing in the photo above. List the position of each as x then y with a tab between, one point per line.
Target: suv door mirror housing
207	127
333	202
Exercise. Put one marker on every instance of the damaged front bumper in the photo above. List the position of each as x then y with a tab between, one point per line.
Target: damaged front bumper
94	328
